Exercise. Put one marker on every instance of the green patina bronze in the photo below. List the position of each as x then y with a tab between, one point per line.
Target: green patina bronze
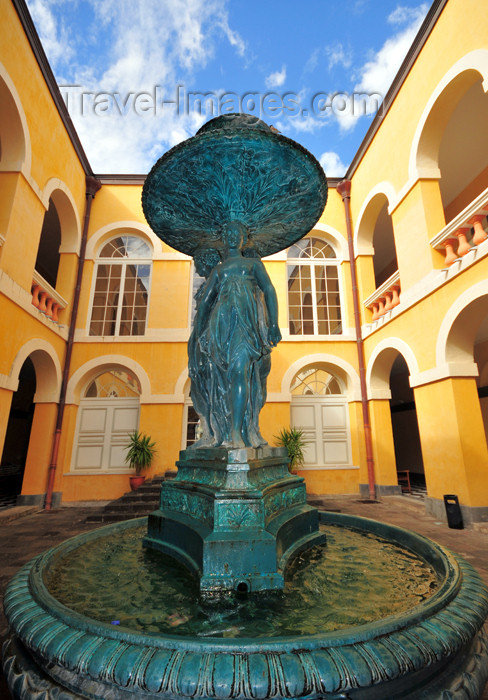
234	517
234	192
435	650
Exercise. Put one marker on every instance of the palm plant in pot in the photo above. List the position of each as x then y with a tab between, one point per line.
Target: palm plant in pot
293	440
140	454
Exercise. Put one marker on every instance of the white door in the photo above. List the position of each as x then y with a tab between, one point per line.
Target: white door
103	431
325	423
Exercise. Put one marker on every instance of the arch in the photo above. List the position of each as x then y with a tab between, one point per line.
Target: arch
333	237
47	366
426	142
131	228
63	200
380	364
336	365
80	379
363	242
455	340
182	386
374	232
16	149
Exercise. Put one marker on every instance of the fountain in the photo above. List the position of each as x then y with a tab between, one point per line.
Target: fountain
238	588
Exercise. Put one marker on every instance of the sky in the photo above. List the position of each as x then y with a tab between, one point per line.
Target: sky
139	76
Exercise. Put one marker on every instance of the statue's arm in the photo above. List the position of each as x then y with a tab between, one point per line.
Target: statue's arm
271	300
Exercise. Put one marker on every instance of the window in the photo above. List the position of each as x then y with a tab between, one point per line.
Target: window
315	382
197	282
314	305
121	292
192	426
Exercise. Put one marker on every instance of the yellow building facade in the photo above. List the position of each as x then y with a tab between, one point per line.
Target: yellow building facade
96	311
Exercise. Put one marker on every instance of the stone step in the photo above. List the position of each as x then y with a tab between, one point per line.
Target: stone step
112	517
133	504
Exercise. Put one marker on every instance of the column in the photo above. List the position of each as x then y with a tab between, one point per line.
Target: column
383	446
454	445
5	404
417	219
39	453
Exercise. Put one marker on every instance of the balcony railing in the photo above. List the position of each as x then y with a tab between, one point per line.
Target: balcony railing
46	299
385	298
465	232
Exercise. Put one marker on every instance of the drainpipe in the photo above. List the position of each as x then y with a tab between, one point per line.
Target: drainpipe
344	189
92	187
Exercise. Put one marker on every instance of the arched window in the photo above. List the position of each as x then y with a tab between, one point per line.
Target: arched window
314	304
120	297
108	412
315	382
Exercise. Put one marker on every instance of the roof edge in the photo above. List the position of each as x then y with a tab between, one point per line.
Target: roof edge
41	58
418	43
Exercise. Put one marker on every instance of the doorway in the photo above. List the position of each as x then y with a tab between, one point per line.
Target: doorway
17	437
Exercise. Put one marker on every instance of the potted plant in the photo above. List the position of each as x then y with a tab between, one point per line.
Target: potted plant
293	440
140	453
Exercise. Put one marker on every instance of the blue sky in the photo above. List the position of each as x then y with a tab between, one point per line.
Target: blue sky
141	75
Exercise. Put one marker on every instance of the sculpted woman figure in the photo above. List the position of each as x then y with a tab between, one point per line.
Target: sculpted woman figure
236	326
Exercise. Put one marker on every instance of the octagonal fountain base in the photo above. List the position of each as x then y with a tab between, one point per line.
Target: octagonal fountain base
234	517
435	649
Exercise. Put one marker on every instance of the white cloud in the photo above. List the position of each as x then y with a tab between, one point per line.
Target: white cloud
53	35
276	79
337	55
301	124
143	45
402	14
332	164
377	74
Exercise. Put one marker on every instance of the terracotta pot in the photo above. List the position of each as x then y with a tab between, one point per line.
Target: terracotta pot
136	481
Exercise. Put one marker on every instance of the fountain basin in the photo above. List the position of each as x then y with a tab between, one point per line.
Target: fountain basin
437	646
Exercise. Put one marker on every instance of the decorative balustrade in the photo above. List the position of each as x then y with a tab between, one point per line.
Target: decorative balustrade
385	298
45	298
465	232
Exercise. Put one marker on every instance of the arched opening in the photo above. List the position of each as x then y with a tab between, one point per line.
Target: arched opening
404	424
462	151
467	343
17	437
319	407
385	259
451	140
47	261
108	412
376	230
12	139
14	147
480	354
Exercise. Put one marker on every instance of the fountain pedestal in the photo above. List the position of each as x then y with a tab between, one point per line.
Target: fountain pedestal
235	517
